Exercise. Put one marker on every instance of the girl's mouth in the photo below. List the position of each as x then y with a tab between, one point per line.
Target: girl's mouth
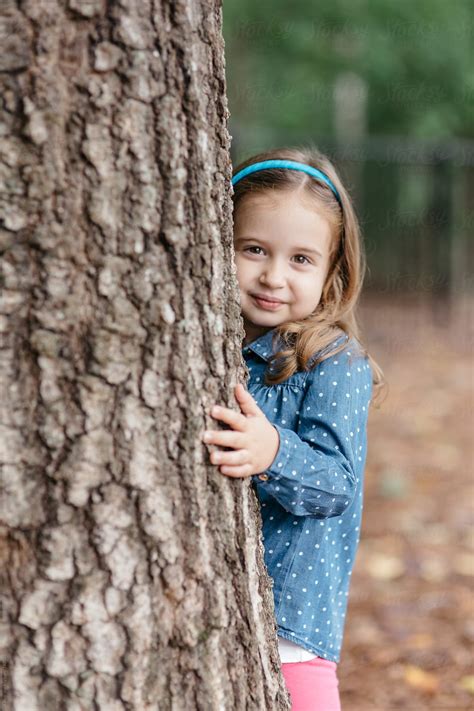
267	305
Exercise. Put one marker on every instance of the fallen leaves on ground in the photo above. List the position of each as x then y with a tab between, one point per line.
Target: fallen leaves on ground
409	635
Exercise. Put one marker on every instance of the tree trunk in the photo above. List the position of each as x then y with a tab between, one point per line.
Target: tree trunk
132	570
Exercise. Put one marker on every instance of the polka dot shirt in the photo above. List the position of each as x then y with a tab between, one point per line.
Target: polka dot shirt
311	497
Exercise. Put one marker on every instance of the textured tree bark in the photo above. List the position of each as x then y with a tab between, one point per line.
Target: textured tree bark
131	570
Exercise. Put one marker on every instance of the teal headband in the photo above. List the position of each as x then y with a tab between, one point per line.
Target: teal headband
292	165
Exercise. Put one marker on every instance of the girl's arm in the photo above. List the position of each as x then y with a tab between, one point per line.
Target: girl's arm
314	470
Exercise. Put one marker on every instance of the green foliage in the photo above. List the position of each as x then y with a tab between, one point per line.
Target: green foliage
415	58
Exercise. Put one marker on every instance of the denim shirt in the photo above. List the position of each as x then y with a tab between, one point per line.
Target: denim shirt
311	496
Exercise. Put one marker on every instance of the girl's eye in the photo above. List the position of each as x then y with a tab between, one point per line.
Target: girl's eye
308	261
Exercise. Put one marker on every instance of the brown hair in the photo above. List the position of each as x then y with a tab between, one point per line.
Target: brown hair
336	310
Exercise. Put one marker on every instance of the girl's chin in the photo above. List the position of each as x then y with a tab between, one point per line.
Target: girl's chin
257	315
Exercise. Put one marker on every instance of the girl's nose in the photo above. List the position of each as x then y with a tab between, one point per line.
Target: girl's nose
273	277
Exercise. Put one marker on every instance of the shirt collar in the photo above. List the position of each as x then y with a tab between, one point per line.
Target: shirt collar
262	345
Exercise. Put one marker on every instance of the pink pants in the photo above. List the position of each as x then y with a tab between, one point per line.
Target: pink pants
313	685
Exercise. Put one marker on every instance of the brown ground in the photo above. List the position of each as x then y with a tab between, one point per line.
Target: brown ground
410	627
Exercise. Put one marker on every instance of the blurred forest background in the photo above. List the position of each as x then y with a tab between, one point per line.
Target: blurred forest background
386	90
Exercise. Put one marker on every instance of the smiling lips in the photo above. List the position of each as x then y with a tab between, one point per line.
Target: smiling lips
267	303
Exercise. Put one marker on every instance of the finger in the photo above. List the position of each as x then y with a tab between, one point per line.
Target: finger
226	438
237	472
241	456
235	419
246	401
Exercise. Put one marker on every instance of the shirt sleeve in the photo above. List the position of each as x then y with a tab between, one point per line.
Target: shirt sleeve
314	470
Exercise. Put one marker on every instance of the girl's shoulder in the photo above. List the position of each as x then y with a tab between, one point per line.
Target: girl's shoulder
351	356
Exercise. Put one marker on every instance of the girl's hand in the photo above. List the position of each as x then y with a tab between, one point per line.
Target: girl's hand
254	439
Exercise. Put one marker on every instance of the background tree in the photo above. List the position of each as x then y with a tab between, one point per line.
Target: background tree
132	570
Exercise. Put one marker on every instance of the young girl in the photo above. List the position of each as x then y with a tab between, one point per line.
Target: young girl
301	432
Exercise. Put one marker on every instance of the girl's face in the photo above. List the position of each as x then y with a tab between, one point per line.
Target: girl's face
282	251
